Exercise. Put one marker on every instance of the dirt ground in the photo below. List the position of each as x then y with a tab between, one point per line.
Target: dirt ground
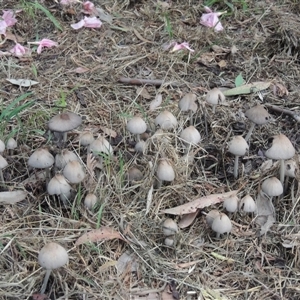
85	69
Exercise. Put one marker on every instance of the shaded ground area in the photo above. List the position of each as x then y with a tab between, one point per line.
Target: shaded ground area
199	266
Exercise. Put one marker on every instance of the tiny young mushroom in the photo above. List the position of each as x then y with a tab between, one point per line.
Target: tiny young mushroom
272	187
221	224
258	115
289	171
214	97
74	172
238	147
166	120
90	201
281	150
52	256
134	175
188	104
247	204
3	164
170	229
86	138
137	126
165	172
11	145
41	159
62	158
210	216
58	185
231	204
101	147
190	136
64	122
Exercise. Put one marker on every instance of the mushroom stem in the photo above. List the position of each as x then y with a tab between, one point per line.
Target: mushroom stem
214	109
205	121
138	137
2	182
236	167
65	135
250	131
282	171
45	282
218	235
191	117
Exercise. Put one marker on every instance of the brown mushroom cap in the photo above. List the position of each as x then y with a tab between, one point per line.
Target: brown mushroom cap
73	171
64	122
258	115
281	148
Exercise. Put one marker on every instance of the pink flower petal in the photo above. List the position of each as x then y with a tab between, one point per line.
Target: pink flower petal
44	43
211	19
3	27
18	50
78	25
9	17
181	46
88	7
67	2
90	22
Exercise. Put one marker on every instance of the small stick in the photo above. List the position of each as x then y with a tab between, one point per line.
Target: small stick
137	81
294	115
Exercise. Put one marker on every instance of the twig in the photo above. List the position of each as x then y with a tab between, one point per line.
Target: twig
294	115
137	81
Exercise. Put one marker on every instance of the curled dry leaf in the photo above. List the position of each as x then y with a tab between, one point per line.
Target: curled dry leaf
108	131
142	91
193	206
187	219
96	235
22	82
279	89
156	102
80	70
12	197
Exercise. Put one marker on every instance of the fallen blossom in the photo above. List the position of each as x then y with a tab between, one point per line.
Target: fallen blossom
44	43
91	22
67	2
9	17
3	27
181	46
89	8
19	50
211	19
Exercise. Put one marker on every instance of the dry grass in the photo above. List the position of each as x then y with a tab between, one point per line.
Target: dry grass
241	266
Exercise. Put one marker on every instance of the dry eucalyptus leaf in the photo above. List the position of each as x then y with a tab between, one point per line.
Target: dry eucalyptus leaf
198	203
124	261
108	131
156	102
12	197
142	91
187	219
22	82
96	235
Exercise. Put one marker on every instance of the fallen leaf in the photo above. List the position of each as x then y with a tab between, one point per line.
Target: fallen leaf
14	37
12	197
279	89
187	219
79	70
156	102
248	88
149	199
22	82
103	233
198	203
142	91
222	63
108	131
126	262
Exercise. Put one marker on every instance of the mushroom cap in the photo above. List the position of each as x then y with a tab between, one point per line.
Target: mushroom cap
53	256
101	145
247	204
211	215
3	162
41	159
2	146
136	125
290	168
191	135
61	159
281	148
58	185
272	186
90	200
231	203
140	146
11	143
86	138
169	241
169	227
166	120
165	171
214	97
134	174
258	115
238	146
188	102
64	122
221	224
73	171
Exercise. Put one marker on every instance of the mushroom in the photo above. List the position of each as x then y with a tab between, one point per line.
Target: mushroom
134	175
169	227
100	148
90	200
247	204
190	136
281	150
86	138
221	225
210	216
61	159
11	145
214	97
64	122
58	185
3	164
238	147
231	204
41	159
74	172
165	172
272	187
140	146
2	146
289	171
188	104
258	115
137	126
52	256
166	120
